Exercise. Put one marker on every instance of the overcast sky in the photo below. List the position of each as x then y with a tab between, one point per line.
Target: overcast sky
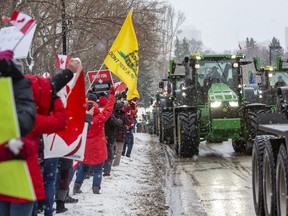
225	22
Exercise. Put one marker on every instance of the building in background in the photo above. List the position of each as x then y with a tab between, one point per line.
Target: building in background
190	32
286	39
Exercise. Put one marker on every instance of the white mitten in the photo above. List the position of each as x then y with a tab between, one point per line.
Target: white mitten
15	145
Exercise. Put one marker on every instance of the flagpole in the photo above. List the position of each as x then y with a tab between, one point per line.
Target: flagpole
95	77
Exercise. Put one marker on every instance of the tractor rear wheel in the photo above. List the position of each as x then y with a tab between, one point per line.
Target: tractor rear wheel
257	172
167	125
188	137
252	124
269	180
282	182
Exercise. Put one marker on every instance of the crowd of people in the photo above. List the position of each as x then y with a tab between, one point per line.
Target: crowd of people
111	121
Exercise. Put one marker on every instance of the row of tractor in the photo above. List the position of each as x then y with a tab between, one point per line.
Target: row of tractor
204	97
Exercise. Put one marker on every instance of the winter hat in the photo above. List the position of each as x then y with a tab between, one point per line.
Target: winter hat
92	97
119	106
102	101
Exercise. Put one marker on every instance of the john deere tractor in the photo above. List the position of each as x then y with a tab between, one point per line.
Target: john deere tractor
264	109
210	103
165	102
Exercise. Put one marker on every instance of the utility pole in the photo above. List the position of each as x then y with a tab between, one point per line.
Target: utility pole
64	28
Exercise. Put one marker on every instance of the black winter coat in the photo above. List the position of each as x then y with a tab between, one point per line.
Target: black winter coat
111	124
25	106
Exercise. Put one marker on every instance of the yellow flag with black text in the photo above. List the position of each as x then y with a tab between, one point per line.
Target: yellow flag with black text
122	59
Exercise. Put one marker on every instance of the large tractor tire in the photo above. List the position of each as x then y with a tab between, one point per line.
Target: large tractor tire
188	137
252	124
282	182
269	180
257	173
167	125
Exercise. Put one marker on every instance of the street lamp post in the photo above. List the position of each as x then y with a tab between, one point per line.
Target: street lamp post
64	27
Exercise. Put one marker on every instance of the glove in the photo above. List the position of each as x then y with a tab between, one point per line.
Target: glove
112	90
9	69
6	55
21	149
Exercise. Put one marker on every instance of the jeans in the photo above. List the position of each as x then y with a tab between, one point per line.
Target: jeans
97	176
16	209
49	175
128	144
108	162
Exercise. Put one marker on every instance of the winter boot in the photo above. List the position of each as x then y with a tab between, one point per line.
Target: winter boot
96	190
70	199
60	206
76	189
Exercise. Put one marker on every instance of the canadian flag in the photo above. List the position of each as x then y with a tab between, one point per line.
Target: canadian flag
70	143
62	61
22	22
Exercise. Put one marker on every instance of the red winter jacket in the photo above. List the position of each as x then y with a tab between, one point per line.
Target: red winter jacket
46	122
96	150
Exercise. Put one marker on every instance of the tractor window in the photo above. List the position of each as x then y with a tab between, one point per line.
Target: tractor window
279	79
220	71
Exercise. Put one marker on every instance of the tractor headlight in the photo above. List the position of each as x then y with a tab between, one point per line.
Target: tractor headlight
270	75
184	87
184	94
233	103
197	66
235	65
215	104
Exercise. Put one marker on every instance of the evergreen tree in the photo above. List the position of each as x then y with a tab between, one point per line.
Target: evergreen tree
275	49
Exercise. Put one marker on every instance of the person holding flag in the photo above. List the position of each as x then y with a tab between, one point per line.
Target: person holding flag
96	150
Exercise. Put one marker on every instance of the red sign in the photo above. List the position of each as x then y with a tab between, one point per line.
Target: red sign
99	76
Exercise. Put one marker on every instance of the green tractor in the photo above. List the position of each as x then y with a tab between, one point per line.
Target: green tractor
264	110
165	115
210	103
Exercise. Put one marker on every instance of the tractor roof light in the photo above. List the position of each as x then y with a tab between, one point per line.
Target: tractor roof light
215	104
270	75
233	57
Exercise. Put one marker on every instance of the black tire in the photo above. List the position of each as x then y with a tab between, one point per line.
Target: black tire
282	182
257	173
188	138
168	125
238	146
269	180
252	125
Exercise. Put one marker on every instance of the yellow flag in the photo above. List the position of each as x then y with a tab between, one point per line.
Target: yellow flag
122	59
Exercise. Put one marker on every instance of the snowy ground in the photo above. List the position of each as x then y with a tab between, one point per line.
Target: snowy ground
134	188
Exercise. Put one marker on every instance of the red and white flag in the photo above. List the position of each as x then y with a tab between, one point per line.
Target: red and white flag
62	61
70	143
22	22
